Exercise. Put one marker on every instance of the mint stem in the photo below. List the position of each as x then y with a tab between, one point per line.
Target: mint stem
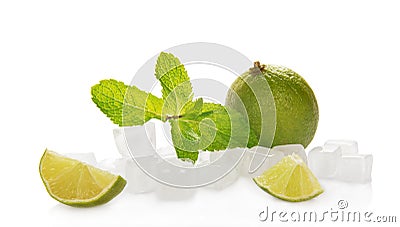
169	117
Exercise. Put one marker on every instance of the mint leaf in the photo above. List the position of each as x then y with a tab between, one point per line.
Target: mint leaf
231	128
187	156
192	109
214	128
126	105
171	73
186	147
175	83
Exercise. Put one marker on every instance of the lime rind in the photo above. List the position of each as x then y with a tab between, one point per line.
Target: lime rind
114	187
291	166
289	199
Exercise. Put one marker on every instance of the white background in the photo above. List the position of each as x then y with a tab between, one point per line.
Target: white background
51	53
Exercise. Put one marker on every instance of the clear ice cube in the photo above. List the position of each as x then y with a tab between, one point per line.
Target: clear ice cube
259	159
115	166
347	146
290	149
88	158
226	180
139	139
137	180
119	138
203	159
178	162
248	165
175	172
107	164
339	159
120	166
323	161
166	151
355	168
215	155
227	160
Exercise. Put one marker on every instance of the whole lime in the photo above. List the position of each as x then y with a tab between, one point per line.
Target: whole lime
280	105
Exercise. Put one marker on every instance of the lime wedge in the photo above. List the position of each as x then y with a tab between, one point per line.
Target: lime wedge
74	183
290	179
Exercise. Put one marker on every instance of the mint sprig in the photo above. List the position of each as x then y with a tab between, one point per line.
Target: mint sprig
195	125
126	105
175	83
213	128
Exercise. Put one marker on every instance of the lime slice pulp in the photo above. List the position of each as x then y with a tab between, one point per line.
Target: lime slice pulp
290	179
74	183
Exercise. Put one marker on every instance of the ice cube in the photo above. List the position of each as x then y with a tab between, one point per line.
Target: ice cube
247	165
215	155
137	179
107	164
339	159
347	146
170	155
120	166
290	149
323	161
228	161
166	151
259	159
174	172
87	158
171	171
119	138
226	180
115	166
355	168
141	140
203	159
177	162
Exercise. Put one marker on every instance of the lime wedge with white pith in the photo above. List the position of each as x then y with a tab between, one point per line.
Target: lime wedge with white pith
290	179
74	183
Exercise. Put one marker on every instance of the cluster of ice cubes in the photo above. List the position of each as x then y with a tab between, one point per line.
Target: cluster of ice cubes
253	162
340	160
336	159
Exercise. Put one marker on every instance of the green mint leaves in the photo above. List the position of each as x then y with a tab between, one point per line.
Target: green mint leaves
175	82
212	128
195	124
173	77
126	105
